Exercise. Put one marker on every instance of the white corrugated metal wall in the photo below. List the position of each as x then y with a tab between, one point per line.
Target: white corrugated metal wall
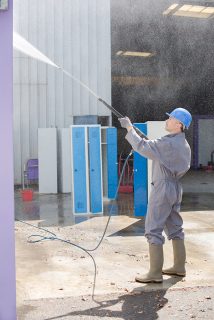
75	35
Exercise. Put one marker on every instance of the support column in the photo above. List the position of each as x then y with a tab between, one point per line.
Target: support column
7	241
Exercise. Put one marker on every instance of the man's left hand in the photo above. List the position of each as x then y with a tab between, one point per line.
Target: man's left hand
125	122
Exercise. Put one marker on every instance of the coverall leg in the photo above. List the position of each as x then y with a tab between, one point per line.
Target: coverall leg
163	213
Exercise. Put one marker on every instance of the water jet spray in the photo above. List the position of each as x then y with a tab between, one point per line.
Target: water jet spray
22	45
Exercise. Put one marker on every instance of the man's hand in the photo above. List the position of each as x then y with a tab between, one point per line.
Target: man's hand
125	123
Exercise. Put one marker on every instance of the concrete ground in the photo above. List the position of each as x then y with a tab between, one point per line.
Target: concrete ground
56	280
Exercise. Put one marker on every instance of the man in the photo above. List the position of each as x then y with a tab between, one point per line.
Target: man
171	157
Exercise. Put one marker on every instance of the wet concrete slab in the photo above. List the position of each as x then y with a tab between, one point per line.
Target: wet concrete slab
55	269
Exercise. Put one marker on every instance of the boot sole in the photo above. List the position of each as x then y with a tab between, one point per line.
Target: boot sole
148	281
174	274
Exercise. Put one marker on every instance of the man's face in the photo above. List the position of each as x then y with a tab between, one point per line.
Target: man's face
173	125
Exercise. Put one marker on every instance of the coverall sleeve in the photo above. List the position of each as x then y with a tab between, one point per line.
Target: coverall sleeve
158	149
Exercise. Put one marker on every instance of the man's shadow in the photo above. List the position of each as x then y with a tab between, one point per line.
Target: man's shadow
142	303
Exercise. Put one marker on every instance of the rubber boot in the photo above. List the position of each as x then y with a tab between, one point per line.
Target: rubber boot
179	252
156	265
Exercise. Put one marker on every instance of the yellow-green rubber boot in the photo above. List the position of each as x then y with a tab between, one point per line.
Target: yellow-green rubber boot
156	265
179	252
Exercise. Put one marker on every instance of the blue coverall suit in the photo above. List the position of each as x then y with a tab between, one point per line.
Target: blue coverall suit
171	157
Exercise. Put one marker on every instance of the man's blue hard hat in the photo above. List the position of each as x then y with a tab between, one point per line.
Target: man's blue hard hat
181	115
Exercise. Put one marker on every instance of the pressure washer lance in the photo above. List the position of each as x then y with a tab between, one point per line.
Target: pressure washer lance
114	111
119	115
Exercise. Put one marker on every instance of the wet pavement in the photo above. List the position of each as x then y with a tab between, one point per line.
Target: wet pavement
55	280
56	210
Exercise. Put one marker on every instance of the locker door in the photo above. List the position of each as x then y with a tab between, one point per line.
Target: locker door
95	173
140	179
79	170
112	162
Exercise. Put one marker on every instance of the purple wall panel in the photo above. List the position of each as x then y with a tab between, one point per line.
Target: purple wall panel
7	241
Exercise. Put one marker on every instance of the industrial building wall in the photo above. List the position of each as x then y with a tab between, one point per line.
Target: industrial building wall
75	35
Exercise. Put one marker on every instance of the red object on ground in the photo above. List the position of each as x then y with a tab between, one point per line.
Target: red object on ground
27	194
126	189
126	185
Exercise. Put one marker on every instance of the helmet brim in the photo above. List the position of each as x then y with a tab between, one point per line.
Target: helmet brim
168	114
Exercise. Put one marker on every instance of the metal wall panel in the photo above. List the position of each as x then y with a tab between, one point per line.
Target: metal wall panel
92	54
58	58
67	63
76	35
103	53
51	94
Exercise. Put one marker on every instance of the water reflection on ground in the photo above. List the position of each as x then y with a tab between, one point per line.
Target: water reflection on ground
56	210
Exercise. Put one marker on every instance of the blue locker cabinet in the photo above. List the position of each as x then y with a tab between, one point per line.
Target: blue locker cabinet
140	179
95	175
79	141
112	166
88	167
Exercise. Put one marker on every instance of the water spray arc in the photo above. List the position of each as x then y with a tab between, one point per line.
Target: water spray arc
22	45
